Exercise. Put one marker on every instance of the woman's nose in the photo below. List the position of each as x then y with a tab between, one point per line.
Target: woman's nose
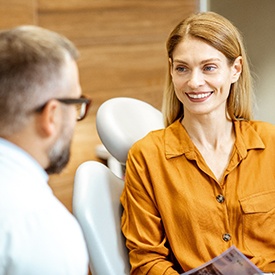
196	79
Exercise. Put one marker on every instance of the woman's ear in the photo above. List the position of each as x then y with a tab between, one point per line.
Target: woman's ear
170	65
237	68
48	118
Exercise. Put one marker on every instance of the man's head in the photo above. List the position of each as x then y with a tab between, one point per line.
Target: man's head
37	68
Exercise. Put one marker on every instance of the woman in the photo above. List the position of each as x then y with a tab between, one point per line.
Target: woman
207	181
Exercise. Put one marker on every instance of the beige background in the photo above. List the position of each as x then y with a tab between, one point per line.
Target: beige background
256	21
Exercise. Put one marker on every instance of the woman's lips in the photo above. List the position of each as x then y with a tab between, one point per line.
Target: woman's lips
199	95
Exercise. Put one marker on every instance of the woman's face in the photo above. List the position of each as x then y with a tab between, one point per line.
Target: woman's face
202	77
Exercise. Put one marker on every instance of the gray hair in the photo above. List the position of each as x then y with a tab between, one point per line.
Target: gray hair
32	60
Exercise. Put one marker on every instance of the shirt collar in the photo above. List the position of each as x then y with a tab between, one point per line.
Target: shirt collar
17	155
247	137
178	142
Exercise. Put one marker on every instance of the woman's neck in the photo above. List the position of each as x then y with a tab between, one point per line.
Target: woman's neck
214	138
208	131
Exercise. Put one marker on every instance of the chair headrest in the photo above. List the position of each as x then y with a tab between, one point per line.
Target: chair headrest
121	121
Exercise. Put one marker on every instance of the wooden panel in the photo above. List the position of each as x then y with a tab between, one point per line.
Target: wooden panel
122	48
65	5
115	22
126	70
122	53
17	12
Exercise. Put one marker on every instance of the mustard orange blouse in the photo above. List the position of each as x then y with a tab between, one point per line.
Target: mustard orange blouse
177	216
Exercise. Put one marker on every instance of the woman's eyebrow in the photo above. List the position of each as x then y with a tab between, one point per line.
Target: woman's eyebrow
214	59
210	60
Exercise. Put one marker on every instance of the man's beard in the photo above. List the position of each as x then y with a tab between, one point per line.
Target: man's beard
59	156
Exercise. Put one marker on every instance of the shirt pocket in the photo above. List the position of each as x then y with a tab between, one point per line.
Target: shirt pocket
259	223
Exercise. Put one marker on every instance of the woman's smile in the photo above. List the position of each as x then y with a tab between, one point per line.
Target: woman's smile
198	96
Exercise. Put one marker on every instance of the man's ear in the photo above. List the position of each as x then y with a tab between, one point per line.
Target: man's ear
237	68
48	118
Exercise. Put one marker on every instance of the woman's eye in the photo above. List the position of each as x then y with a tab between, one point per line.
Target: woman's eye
210	68
181	69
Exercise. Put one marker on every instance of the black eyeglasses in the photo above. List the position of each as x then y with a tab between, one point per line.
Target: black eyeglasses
82	105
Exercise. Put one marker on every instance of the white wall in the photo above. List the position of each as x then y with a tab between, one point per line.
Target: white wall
256	21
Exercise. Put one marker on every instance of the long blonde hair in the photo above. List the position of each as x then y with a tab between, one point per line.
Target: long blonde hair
221	34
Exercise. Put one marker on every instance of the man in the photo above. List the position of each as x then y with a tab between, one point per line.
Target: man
39	96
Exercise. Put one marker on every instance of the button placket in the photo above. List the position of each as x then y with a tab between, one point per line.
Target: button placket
226	237
220	198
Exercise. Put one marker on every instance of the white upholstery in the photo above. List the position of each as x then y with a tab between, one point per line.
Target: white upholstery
96	196
121	121
97	208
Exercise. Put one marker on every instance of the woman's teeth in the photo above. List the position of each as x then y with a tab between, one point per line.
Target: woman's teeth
199	95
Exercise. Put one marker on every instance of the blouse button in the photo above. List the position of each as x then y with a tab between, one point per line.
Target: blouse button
220	198
226	237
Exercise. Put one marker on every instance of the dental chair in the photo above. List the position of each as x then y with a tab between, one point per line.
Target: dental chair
120	122
97	188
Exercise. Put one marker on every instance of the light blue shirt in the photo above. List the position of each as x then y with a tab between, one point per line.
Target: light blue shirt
38	235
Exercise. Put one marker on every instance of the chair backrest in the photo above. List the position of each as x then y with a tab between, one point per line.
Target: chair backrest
96	205
121	121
